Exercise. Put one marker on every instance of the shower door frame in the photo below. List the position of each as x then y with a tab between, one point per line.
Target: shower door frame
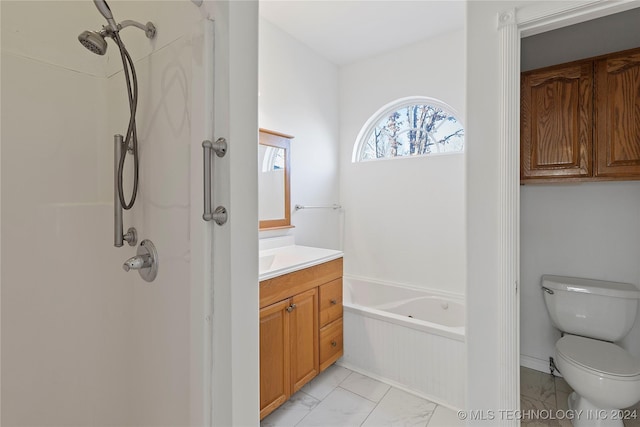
224	365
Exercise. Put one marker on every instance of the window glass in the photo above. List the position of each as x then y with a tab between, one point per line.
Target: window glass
416	128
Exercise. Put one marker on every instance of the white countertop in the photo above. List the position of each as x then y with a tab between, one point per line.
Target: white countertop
287	259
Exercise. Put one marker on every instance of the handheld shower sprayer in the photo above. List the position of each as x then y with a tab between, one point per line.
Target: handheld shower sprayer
104	9
95	41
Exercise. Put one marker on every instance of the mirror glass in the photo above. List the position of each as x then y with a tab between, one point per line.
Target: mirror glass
273	180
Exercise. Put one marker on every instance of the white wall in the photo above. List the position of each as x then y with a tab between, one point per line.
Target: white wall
483	208
404	218
299	96
589	230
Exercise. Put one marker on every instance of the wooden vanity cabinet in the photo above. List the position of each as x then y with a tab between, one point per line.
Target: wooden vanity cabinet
581	121
300	330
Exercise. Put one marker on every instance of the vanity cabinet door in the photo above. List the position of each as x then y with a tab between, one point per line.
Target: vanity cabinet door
618	115
275	379
557	122
304	338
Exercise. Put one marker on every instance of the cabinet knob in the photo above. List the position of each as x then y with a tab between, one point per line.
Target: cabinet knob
334	343
333	301
290	308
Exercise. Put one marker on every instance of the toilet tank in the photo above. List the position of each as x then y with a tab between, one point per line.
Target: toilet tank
591	308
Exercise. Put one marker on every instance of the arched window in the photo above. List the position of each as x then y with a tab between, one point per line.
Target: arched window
416	126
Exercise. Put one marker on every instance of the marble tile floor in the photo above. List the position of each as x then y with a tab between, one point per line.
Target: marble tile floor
541	391
339	397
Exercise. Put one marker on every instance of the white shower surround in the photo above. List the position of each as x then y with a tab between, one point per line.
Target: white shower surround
424	356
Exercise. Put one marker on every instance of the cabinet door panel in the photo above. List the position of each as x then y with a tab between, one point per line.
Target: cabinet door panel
556	122
618	116
304	338
275	380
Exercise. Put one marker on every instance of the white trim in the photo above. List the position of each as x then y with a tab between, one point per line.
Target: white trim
531	19
509	178
387	109
544	16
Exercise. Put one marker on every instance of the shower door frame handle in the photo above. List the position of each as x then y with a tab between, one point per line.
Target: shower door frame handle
219	215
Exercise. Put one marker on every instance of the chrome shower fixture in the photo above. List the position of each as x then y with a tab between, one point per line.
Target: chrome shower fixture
95	40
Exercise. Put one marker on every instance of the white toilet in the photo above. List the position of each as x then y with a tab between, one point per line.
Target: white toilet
593	315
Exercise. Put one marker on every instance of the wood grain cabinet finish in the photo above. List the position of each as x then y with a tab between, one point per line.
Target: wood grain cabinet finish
299	312
304	338
556	122
331	348
581	121
275	372
618	116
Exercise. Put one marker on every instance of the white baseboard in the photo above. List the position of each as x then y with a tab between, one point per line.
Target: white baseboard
536	364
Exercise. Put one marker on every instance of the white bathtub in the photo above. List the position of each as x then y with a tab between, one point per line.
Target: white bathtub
407	337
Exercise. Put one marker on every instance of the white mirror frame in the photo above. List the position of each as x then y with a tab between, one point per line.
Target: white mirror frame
513	24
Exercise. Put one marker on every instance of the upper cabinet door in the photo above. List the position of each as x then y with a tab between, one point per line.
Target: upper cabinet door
618	115
556	122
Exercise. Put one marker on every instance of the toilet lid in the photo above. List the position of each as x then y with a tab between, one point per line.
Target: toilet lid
604	357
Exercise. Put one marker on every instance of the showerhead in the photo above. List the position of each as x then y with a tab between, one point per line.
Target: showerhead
93	41
104	9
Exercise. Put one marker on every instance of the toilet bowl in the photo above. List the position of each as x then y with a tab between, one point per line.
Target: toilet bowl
604	374
593	315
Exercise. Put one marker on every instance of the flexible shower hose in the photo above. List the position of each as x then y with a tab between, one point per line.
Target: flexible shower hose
131	138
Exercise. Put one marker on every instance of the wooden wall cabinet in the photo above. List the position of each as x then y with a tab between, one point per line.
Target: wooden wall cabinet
300	330
581	121
618	116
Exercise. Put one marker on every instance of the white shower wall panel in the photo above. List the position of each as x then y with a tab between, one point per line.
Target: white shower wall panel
66	304
160	355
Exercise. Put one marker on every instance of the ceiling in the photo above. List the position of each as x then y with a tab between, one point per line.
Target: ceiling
350	30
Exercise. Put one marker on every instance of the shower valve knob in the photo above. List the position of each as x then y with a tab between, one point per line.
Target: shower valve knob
137	262
145	261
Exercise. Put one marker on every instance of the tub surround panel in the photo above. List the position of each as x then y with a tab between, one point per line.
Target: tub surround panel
404	218
423	357
428	365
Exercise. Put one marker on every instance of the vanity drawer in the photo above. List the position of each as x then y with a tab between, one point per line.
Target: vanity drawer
330	344
330	302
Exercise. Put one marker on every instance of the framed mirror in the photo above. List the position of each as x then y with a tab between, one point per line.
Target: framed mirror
274	171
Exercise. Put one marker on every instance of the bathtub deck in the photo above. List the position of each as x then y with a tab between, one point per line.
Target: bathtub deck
339	397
